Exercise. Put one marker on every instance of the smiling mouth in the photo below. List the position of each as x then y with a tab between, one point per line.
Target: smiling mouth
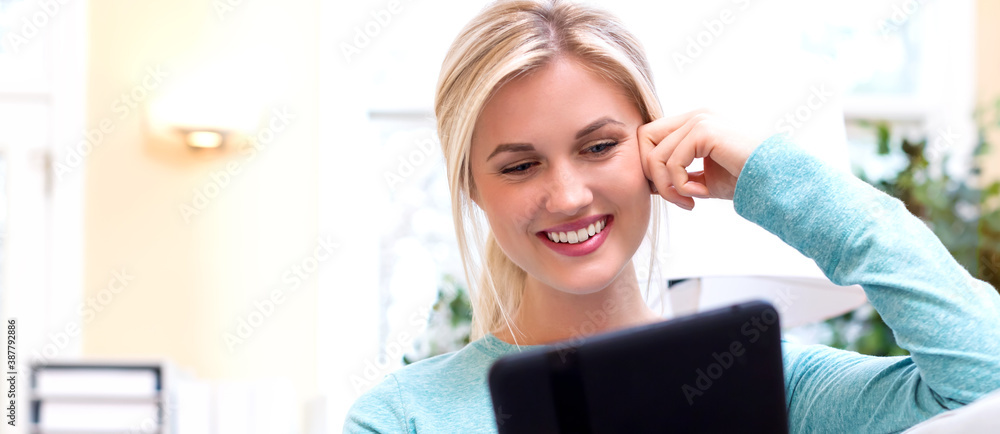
579	235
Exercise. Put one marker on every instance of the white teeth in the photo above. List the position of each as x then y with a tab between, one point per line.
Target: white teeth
577	236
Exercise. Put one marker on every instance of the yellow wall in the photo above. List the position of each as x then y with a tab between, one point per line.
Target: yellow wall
194	281
988	75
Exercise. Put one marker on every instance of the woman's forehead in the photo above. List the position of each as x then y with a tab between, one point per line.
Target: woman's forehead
556	99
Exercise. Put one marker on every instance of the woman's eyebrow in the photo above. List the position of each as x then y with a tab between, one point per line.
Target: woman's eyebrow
525	147
596	125
511	147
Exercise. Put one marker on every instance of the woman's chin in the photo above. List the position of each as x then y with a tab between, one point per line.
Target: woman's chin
583	285
583	279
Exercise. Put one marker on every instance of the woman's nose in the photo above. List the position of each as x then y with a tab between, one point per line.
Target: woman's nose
568	191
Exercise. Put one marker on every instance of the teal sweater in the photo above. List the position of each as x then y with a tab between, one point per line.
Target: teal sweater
948	320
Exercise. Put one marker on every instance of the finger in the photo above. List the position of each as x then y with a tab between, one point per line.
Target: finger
658	174
654	132
697	186
697	182
660	181
697	143
663	154
644	150
651	134
670	195
657	160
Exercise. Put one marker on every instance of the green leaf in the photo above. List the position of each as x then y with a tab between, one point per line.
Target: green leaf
992	190
882	136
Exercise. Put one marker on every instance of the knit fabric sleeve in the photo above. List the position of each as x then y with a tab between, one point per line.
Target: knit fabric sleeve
856	234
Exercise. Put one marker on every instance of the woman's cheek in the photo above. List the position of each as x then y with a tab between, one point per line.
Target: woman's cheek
627	172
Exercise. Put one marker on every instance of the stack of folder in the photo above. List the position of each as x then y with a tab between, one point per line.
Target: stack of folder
96	397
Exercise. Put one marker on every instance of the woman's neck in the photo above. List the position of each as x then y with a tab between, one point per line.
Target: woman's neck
547	315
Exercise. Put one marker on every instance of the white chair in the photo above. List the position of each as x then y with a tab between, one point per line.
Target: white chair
978	417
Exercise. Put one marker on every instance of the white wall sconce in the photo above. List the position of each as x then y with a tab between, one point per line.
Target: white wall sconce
182	132
204	139
207	109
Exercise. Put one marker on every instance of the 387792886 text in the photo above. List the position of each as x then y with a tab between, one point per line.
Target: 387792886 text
12	371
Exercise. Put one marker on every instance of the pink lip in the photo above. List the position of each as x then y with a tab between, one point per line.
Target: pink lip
576	224
579	249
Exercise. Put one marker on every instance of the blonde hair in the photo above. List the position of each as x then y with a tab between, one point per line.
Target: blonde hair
506	40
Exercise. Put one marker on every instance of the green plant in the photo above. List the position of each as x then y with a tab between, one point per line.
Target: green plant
449	324
964	217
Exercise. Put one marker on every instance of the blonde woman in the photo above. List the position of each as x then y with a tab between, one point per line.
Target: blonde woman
551	128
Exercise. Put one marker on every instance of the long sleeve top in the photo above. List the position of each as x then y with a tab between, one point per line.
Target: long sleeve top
856	234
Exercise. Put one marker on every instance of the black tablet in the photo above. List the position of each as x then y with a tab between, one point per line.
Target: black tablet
715	371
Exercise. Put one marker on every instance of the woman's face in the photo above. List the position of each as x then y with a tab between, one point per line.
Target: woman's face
555	155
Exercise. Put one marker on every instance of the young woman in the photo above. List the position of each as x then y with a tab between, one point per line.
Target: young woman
551	127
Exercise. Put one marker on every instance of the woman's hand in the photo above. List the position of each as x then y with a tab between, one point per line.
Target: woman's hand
668	145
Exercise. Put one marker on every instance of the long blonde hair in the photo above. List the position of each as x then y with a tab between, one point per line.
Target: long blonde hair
506	40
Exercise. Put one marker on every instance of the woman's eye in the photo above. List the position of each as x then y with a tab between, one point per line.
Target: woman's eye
517	169
602	148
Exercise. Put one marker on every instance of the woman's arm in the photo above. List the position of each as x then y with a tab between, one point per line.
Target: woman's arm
949	321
